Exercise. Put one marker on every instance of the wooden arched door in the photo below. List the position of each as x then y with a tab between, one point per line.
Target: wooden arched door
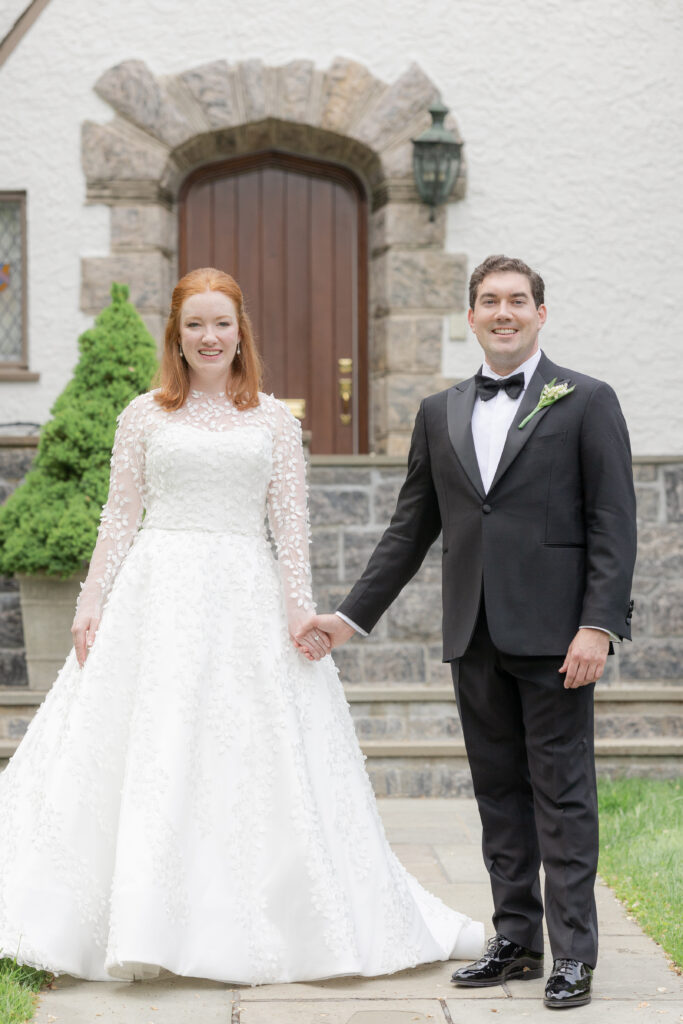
293	233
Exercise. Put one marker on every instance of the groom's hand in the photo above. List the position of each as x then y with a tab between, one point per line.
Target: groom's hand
334	629
586	657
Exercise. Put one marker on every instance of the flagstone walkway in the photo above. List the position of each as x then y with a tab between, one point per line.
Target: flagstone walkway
439	842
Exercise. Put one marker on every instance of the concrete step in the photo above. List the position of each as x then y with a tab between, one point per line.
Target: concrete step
438	768
412	738
389	712
397	712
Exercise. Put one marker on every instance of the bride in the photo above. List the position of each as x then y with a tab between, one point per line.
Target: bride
191	795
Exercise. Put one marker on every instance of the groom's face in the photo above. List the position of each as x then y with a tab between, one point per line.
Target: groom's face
506	320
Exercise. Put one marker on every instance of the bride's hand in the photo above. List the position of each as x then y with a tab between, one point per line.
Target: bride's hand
83	632
314	644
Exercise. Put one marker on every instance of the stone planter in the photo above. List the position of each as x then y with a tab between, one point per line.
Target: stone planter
47	608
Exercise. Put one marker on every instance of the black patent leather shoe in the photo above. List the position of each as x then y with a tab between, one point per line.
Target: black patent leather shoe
502	961
568	985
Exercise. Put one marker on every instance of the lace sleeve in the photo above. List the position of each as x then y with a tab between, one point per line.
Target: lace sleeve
122	514
288	517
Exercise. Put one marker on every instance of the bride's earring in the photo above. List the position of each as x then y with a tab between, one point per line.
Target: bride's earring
238	349
180	349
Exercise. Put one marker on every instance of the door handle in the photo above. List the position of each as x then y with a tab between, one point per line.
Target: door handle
345	388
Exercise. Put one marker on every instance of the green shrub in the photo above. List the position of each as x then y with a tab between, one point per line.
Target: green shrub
49	525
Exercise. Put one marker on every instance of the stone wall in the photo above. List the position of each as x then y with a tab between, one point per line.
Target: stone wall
16	456
351	505
351	501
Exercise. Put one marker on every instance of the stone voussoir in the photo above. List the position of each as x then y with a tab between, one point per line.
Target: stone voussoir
215	89
348	89
135	94
384	121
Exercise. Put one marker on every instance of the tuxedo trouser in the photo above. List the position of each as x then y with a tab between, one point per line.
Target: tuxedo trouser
530	747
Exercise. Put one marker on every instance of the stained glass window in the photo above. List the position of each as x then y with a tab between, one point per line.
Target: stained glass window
12	284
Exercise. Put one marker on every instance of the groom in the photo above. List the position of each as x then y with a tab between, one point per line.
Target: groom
525	469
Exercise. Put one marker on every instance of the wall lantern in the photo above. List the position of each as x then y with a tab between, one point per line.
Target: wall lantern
436	160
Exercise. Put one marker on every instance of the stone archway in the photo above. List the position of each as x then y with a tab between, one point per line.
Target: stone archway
165	128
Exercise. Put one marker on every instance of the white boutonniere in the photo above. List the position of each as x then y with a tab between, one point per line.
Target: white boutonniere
550	394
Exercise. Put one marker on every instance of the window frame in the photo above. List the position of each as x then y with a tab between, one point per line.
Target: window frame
17	369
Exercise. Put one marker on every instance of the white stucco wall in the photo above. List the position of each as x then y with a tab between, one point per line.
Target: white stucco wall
572	117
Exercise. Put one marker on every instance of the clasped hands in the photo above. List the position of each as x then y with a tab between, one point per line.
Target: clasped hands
320	634
583	664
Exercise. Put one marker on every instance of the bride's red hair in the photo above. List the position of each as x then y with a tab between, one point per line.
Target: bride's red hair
246	369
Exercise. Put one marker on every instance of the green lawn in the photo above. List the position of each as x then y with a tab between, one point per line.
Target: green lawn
641	854
18	986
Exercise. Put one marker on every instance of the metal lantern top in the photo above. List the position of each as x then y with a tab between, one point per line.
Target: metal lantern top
436	159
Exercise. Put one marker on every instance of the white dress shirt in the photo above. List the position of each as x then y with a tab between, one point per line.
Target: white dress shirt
491	421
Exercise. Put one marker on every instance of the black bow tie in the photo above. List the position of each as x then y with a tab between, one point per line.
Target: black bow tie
488	387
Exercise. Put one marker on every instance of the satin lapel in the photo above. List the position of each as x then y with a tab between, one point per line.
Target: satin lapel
516	438
459	414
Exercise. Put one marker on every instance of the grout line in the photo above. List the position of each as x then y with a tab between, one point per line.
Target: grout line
236	1009
446	1012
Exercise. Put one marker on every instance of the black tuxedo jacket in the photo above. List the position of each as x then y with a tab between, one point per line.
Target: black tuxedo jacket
551	545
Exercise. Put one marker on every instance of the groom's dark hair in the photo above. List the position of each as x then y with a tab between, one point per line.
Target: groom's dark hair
496	264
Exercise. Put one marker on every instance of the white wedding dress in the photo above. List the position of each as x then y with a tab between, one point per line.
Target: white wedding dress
194	799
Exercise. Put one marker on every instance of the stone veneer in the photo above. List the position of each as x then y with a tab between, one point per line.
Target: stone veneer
166	127
351	501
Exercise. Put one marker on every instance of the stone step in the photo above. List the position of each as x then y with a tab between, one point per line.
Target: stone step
396	712
412	768
415	713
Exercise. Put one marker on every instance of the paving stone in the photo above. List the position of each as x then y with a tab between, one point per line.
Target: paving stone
531	1010
172	1000
430	981
405	1011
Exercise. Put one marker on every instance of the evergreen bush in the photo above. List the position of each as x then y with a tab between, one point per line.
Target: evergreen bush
49	524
